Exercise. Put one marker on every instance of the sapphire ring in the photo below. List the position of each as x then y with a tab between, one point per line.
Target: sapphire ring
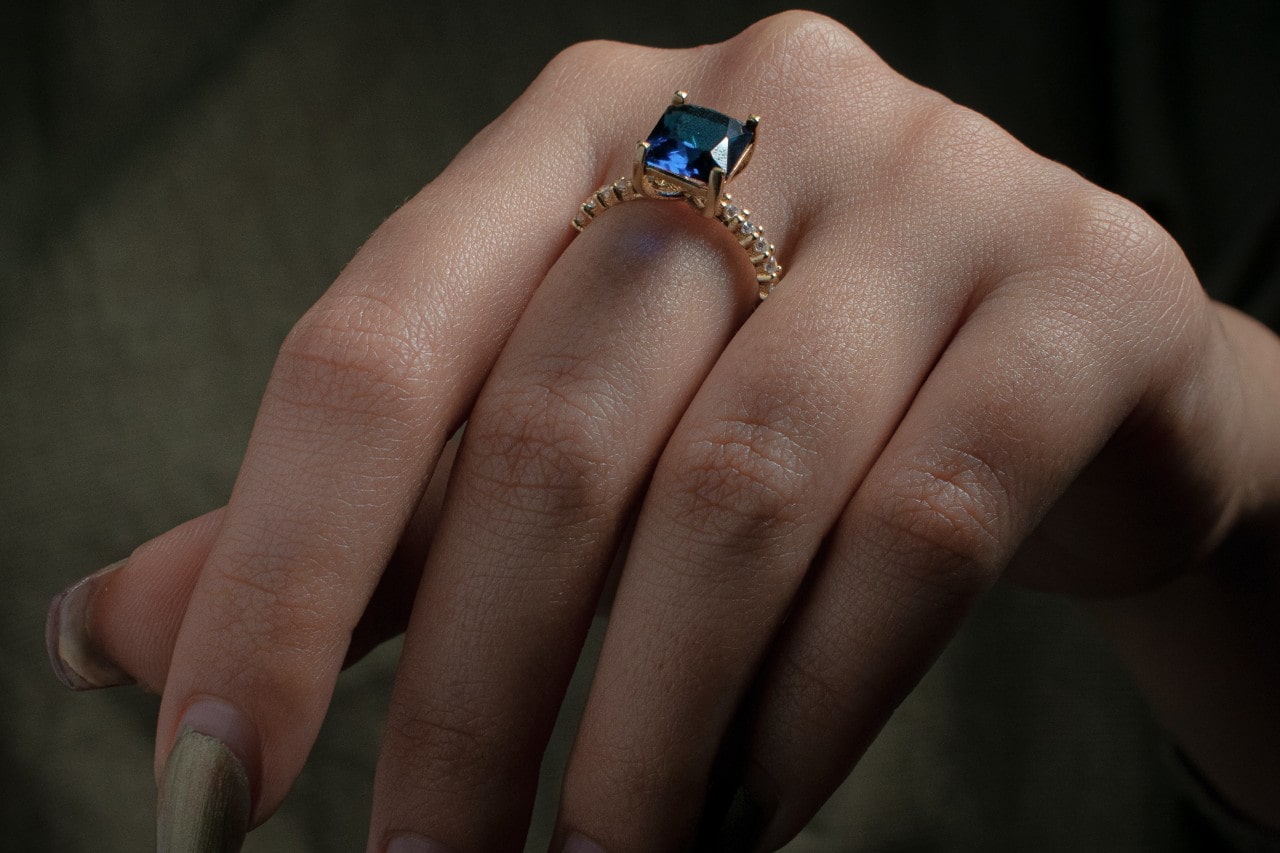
692	154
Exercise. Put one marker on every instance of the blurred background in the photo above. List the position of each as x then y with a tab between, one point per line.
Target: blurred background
179	181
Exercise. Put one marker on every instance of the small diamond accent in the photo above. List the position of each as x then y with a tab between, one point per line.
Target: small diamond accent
771	265
747	229
760	246
730	211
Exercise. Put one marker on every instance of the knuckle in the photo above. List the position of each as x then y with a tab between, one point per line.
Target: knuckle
276	605
579	66
1111	233
458	744
1118	252
943	518
944	148
743	480
358	354
543	448
812	679
627	766
1116	280
808	40
822	64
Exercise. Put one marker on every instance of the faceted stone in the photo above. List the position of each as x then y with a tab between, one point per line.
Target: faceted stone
689	141
747	229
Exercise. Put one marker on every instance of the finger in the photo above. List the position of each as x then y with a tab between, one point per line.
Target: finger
741	499
757	472
119	626
367	387
561	440
1034	384
780	435
387	614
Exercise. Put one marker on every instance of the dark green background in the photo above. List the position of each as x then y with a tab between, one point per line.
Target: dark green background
179	182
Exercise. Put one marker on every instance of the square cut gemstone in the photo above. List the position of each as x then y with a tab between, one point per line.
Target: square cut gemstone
689	141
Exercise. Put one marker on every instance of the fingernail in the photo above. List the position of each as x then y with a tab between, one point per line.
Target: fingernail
205	799
745	822
579	843
415	844
76	657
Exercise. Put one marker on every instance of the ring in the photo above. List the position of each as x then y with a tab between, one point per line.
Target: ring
692	153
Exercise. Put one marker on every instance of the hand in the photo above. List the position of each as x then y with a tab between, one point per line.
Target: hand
977	363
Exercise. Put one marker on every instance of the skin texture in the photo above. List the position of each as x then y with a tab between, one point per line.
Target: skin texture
978	363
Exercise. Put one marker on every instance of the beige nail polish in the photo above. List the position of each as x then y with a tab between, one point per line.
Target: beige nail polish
76	657
205	800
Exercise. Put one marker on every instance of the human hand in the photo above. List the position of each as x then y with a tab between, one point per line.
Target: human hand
963	327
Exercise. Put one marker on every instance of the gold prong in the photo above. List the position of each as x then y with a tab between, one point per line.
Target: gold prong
638	182
679	98
715	190
753	121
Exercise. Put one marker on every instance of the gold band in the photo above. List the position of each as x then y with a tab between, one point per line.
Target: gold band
738	220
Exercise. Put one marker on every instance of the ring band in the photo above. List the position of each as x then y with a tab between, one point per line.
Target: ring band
692	153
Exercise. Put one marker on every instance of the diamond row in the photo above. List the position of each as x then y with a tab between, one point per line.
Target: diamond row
749	235
607	196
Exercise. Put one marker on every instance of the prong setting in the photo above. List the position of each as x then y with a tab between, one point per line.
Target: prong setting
638	179
715	191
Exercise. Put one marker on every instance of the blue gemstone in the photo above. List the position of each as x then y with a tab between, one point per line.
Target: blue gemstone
690	141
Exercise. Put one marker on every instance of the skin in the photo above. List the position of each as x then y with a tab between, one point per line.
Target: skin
977	364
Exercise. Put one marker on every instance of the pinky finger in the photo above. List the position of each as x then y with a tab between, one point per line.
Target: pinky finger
118	626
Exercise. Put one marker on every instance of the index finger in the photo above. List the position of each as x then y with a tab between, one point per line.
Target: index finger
367	387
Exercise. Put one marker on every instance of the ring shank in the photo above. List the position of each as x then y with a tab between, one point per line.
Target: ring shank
736	219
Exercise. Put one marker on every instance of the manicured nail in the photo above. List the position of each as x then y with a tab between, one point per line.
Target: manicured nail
76	657
745	822
205	800
415	844
579	843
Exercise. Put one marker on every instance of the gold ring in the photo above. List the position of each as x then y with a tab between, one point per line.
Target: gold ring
692	154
